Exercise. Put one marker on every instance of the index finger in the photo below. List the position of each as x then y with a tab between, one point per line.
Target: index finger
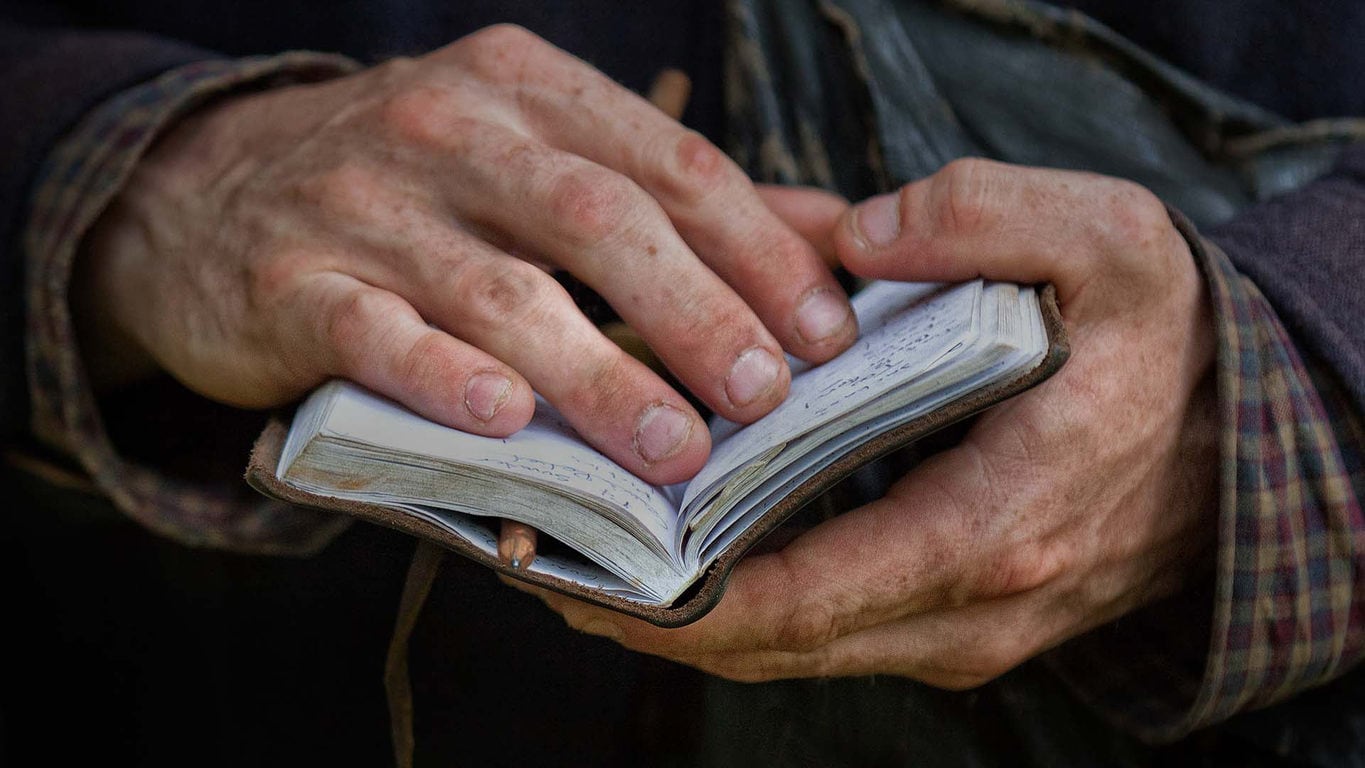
710	201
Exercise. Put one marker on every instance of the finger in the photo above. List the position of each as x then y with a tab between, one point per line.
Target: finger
968	645
981	218
517	544
611	235
377	339
517	313
956	649
520	315
709	200
812	212
911	551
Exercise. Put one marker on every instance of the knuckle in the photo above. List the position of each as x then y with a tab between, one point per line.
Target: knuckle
589	205
693	169
346	192
413	115
1134	217
392	73
275	280
501	37
1020	569
963	195
349	319
497	54
273	275
809	626
808	632
600	387
492	295
422	366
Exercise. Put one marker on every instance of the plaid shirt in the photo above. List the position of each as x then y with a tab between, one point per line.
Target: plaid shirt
76	183
1286	614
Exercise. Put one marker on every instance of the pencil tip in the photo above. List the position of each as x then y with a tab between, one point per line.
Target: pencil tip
516	562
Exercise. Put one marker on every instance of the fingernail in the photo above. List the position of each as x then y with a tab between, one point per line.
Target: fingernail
753	374
822	315
878	220
661	432
602	629
486	393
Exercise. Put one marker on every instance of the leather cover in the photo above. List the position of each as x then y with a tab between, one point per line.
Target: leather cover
706	592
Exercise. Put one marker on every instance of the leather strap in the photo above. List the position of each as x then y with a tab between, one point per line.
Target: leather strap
426	561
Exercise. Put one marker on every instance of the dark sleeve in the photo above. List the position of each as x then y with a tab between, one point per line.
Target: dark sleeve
1306	252
50	78
91	133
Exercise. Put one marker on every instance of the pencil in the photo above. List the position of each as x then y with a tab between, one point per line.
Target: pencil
670	92
517	544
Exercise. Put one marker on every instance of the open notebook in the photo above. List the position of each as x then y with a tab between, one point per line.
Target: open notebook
928	354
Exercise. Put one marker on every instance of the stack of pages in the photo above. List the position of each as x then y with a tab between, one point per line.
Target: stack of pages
923	348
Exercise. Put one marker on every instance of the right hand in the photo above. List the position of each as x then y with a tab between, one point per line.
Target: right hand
393	227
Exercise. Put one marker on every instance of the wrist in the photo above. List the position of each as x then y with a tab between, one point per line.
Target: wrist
112	299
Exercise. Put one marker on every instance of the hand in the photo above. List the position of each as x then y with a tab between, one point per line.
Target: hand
391	227
1061	510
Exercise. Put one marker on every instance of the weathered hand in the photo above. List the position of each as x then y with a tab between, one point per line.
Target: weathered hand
393	227
1061	510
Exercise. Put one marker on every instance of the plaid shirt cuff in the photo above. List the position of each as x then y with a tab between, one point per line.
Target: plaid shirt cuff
1291	537
76	183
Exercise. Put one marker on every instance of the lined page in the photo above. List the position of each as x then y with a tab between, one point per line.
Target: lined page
906	328
547	452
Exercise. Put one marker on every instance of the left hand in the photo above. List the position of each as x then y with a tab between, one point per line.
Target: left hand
1061	510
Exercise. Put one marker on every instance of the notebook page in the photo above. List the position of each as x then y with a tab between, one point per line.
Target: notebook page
547	452
1020	345
906	327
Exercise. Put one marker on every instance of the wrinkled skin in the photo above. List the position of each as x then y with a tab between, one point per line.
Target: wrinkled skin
1061	510
395	227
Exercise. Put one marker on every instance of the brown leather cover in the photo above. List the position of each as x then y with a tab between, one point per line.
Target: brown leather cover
704	594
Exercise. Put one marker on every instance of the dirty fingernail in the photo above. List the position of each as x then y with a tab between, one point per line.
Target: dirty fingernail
754	373
661	432
823	314
486	393
878	220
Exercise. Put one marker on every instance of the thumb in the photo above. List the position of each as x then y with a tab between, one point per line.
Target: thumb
979	218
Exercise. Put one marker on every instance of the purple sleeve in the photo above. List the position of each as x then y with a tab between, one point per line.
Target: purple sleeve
50	78
1306	252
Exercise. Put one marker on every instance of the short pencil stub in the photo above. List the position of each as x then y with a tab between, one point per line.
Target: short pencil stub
670	92
517	544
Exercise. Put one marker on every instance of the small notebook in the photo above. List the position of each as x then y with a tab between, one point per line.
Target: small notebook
928	355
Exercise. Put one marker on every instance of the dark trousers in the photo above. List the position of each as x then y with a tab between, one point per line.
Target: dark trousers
142	652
